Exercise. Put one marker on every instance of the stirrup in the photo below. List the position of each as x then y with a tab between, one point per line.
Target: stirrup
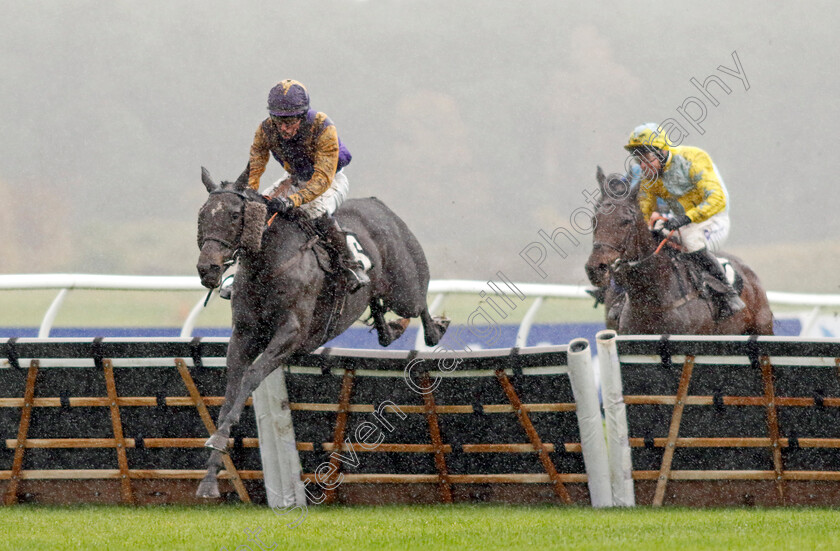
359	278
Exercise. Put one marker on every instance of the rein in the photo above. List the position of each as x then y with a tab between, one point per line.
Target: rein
229	245
620	263
307	229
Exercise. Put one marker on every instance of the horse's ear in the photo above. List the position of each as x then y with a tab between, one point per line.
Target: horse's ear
602	179
208	181
242	182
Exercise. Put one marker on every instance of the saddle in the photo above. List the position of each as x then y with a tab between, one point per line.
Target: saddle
325	254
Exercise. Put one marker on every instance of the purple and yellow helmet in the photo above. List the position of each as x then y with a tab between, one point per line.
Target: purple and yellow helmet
288	98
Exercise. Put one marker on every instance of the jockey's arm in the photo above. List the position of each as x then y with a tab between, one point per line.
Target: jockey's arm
647	198
259	159
702	173
324	163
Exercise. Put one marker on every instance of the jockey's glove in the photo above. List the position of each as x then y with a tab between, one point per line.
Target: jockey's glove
677	222
279	205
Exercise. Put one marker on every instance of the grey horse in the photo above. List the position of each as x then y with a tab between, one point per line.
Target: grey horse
285	303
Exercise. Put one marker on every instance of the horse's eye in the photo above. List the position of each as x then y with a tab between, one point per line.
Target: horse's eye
625	222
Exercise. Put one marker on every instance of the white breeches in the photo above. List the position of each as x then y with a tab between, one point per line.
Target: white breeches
711	233
326	203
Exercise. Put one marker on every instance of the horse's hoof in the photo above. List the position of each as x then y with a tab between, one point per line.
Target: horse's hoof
440	326
393	330
208	490
217	442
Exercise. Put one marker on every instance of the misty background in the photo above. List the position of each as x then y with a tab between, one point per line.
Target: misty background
479	123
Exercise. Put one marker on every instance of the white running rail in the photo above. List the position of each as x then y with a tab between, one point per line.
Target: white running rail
64	283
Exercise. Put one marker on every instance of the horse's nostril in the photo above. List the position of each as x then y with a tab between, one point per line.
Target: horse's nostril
209	274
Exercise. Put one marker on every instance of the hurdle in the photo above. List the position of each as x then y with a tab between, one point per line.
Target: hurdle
722	420
121	420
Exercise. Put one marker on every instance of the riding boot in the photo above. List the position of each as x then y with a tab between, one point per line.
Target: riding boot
338	240
708	262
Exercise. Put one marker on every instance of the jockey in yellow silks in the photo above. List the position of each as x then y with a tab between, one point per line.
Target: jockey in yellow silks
687	180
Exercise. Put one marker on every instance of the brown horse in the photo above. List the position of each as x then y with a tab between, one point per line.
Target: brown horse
663	295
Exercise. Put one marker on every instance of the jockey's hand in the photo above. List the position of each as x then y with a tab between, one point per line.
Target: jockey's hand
280	205
677	222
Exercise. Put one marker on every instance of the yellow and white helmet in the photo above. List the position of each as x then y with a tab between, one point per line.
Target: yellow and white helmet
646	136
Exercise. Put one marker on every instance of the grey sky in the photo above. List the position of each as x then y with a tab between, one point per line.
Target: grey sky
479	122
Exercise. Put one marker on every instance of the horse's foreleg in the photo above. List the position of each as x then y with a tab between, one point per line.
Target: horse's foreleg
239	356
433	328
208	488
278	348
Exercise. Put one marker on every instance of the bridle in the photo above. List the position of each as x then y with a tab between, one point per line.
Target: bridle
622	247
621	262
233	246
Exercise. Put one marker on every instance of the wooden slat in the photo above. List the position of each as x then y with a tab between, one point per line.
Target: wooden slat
537	444
740	475
151	401
93	401
507	408
387	448
437	443
383	478
210	426
673	432
168	474
115	474
116	424
758	401
70	443
504	448
811	475
193	442
66	474
706	475
738	442
23	429
517	478
11	443
340	427
524	478
773	423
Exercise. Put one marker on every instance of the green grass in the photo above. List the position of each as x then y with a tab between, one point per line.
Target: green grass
419	527
84	308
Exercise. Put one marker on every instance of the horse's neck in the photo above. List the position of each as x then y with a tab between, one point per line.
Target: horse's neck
281	242
653	281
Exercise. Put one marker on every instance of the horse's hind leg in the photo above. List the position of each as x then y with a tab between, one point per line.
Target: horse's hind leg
433	328
388	331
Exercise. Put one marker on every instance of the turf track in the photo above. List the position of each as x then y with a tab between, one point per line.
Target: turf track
455	527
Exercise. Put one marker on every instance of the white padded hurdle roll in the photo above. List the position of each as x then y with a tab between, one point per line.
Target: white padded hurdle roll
615	412
278	451
593	444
